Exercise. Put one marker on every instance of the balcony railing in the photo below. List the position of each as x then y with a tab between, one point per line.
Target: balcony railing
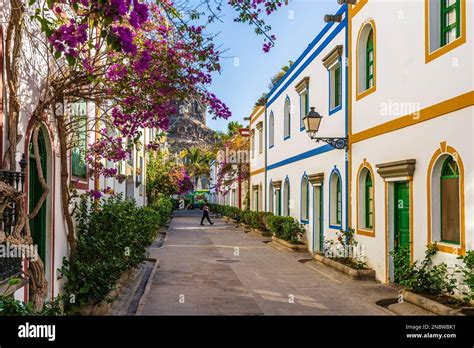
11	266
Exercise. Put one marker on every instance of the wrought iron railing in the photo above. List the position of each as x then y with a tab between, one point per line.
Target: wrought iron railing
11	266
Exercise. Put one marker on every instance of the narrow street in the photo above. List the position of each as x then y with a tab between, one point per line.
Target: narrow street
219	269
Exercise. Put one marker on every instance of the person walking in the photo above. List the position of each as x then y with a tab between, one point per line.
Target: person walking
205	214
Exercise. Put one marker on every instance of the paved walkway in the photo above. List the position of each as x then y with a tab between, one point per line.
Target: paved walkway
216	270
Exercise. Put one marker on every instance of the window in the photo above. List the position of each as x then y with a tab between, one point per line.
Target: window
369	201
302	88
304	101
450	19
366	57
369	73
335	200
78	152
445	26
260	139
252	143
335	88
271	130
287	121
305	199
286	198
449	198
446	201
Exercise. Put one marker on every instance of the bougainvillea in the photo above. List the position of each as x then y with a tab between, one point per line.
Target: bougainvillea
153	59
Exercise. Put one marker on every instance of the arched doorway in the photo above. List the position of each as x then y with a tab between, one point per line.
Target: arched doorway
38	225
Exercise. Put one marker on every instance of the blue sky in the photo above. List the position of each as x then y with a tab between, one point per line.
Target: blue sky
246	70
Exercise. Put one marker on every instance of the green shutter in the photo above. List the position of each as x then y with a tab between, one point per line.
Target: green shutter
369	201
337	86
450	9
339	201
369	73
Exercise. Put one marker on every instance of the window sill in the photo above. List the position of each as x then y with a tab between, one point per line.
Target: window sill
304	222
366	92
430	56
336	109
450	248
335	227
367	233
286	138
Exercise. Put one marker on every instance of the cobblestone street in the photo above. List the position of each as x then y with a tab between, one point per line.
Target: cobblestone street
219	269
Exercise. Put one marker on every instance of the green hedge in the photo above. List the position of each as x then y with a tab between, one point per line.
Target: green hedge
112	236
283	227
251	218
286	228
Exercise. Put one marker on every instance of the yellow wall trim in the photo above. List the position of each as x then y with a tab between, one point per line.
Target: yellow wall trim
449	150
360	95
445	107
257	171
255	115
429	56
357	7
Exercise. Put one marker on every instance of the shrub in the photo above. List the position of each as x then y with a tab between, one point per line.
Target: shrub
423	277
468	275
286	228
112	236
344	249
9	306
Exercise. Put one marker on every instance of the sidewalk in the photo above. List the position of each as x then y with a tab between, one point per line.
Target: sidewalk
218	270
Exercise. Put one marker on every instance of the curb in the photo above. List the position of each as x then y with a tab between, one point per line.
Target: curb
357	274
142	301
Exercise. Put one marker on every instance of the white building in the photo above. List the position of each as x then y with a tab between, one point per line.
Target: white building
257	159
411	147
305	179
48	228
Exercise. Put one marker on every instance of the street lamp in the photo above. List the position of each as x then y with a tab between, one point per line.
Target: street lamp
312	121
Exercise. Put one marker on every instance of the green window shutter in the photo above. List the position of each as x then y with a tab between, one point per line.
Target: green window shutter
339	201
337	86
369	196
449	21
369	72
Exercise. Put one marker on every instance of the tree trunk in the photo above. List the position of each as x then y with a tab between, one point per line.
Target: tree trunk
71	236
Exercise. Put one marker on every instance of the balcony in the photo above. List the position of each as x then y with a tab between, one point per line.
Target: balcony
10	266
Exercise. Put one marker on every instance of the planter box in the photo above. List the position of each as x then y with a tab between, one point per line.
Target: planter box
358	274
288	245
428	304
103	306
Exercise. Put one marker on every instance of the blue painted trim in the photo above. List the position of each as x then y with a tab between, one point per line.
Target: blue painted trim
308	49
305	176
287	99
336	172
301	156
310	59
